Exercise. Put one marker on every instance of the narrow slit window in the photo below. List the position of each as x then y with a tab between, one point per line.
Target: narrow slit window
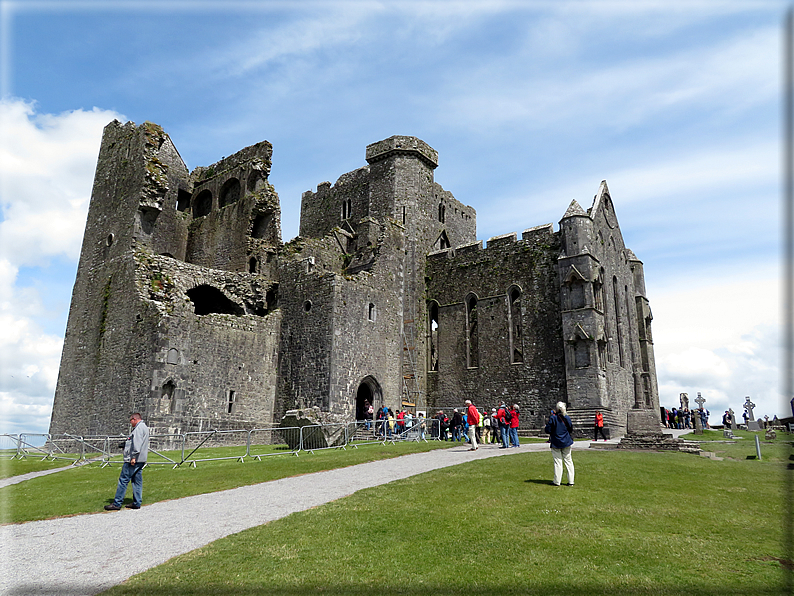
472	333
514	326
433	337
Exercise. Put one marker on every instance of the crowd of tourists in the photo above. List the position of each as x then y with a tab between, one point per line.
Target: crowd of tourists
685	418
499	426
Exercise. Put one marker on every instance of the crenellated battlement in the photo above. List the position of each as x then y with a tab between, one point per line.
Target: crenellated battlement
501	242
400	145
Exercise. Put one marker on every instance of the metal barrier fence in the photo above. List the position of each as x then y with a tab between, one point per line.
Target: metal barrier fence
192	447
385	431
263	442
9	446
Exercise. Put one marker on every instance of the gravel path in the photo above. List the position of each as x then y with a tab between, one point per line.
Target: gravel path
82	555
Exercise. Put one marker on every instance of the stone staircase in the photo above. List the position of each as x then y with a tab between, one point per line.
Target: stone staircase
583	420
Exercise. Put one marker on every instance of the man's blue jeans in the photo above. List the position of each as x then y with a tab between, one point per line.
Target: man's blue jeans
504	430
135	474
514	437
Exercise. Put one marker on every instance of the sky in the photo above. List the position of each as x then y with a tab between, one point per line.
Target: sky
677	104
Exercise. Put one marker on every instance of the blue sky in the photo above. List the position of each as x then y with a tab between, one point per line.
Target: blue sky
529	104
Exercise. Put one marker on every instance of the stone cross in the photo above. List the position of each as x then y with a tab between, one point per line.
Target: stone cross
699	400
748	405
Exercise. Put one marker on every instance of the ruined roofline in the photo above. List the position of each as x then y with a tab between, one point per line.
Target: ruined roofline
258	155
343	180
494	242
603	190
402	145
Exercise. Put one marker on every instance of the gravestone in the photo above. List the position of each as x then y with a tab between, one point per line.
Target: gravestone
734	426
755	424
683	399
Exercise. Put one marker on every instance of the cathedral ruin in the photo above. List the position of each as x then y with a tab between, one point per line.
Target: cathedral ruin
188	308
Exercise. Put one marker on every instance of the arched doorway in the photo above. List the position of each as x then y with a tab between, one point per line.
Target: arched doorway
368	391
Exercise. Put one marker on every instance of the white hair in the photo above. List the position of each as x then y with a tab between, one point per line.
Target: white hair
561	409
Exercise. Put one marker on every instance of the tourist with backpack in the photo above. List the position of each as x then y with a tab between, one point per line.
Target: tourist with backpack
504	417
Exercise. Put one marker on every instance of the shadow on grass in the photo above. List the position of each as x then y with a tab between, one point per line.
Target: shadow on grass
539	481
383	590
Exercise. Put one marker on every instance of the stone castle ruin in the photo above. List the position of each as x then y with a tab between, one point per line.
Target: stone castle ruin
188	308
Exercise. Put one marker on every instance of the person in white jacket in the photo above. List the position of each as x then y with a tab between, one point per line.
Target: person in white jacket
136	450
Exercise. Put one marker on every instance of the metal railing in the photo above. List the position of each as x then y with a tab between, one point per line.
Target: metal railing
193	447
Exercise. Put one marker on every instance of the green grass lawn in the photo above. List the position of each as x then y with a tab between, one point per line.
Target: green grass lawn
635	524
89	488
15	467
743	447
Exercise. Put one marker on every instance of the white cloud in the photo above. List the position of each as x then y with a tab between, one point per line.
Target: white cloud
699	181
732	76
720	337
47	163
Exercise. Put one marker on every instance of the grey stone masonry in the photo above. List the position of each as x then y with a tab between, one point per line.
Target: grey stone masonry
189	308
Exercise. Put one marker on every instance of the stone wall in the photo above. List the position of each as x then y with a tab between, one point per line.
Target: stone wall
188	308
479	364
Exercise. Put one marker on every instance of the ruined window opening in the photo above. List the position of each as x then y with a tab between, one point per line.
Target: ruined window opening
443	241
602	363
618	324
514	326
371	312
581	354
253	265
110	239
173	356
432	337
261	225
576	295
271	297
182	200
230	192
598	294
202	205
255	181
307	306
442	212
628	321
207	300
147	218
167	398
472	333
403	214
230	404
347	209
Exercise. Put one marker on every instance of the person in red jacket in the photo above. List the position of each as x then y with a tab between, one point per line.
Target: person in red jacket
473	418
504	425
599	426
514	426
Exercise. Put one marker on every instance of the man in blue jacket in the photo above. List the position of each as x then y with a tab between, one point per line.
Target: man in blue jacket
559	427
136	450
